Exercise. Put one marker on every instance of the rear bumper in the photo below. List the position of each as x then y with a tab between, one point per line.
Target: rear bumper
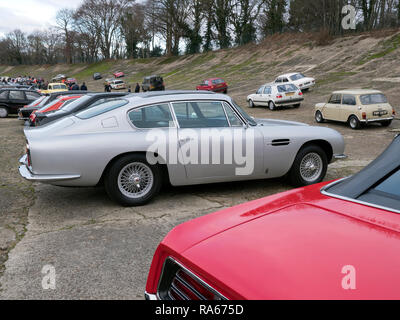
377	120
28	175
149	296
288	102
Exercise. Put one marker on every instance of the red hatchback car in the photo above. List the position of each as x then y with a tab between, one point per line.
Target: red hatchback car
337	240
214	84
119	75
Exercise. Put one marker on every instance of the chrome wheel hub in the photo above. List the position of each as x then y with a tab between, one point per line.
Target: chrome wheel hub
135	180
311	167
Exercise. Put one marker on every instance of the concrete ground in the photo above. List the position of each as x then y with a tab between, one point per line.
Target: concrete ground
103	251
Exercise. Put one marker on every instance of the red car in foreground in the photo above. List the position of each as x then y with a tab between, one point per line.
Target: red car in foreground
339	240
118	75
54	106
214	84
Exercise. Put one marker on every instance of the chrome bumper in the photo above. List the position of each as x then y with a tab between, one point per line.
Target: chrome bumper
149	296
28	175
376	120
336	157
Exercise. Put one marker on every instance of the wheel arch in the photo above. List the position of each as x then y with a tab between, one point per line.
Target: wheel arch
164	167
348	119
323	144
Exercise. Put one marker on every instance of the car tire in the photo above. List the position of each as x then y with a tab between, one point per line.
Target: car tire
386	123
121	187
226	91
309	167
319	118
3	112
271	106
251	104
354	123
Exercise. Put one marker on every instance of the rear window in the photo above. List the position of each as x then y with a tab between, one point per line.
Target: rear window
287	88
59	86
297	77
391	185
218	81
157	116
3	94
101	108
373	99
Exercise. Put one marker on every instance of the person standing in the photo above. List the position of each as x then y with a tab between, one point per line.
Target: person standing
129	89
107	87
137	89
83	87
75	87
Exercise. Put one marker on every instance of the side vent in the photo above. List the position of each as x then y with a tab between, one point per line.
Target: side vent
280	142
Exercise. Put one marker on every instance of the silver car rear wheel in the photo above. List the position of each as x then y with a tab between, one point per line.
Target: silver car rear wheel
135	180
311	167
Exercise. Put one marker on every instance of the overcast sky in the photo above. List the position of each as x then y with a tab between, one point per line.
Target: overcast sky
30	15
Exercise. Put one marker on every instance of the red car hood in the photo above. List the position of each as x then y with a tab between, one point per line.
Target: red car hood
294	246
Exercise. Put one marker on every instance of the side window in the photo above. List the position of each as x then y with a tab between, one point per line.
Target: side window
285	80
16	95
204	114
335	99
233	119
31	95
278	80
101	108
3	94
267	90
349	100
157	116
260	91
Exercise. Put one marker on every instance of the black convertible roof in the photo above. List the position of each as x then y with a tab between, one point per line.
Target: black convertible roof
372	174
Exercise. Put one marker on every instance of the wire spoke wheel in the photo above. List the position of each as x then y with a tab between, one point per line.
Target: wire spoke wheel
311	167
135	180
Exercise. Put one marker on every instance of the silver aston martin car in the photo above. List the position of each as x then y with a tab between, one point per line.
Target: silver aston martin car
133	144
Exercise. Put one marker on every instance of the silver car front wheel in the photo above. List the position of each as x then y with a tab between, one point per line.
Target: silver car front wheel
311	167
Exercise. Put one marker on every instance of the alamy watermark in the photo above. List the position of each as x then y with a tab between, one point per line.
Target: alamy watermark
225	146
349	280
349	20
49	279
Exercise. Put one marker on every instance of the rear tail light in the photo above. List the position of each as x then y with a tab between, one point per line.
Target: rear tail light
394	112
279	97
178	283
300	93
364	115
28	154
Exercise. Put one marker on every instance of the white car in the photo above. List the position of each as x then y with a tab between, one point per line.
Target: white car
117	85
274	95
298	79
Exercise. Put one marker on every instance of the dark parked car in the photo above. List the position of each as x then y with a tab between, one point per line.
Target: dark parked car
97	76
11	100
24	113
84	102
153	83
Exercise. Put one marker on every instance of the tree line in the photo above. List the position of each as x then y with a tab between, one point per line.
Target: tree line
113	29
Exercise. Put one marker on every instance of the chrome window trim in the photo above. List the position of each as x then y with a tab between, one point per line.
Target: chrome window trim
192	274
208	100
151	105
227	105
332	195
